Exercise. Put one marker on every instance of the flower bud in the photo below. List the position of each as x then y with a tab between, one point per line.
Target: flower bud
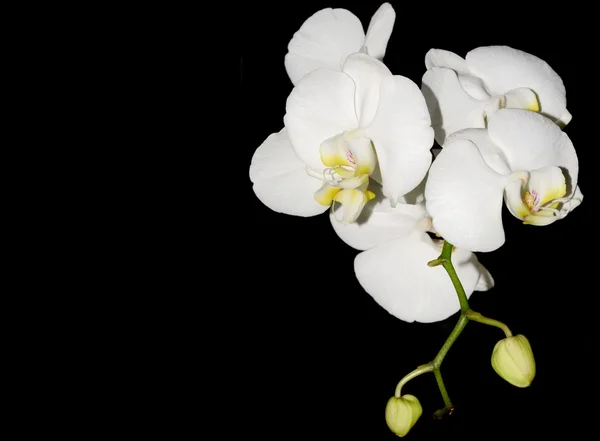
513	360
402	413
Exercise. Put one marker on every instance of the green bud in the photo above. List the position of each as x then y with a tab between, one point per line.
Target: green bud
402	413
513	360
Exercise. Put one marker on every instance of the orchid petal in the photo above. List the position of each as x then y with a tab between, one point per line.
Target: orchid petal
324	40
530	141
485	281
380	30
572	203
397	276
349	151
451	108
280	179
319	107
549	184
514	200
325	195
402	135
464	198
416	195
492	155
521	98
348	205
564	119
447	59
472	85
503	68
367	74
379	222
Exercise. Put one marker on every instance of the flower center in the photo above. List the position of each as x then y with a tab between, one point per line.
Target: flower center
532	200
350	159
535	197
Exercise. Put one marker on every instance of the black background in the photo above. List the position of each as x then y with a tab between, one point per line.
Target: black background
319	357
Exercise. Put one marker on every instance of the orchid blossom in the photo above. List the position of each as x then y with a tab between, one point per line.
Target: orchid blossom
463	93
392	266
522	155
357	140
329	36
342	128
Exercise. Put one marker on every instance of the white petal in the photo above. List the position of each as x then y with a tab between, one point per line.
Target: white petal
573	203
473	86
513	196
396	275
548	183
324	40
354	152
521	98
380	30
451	108
348	205
503	68
485	281
447	59
492	155
415	196
402	135
470	83
564	119
530	141
280	178
319	107
464	198
367	74
379	222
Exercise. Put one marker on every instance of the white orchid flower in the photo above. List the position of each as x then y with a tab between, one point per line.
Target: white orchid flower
462	93
329	36
341	129
361	122
523	156
393	266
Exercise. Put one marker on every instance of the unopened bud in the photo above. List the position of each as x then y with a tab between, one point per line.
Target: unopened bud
402	413
513	360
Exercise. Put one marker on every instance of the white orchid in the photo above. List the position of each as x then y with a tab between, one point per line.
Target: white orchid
329	36
462	93
393	266
523	156
341	129
357	140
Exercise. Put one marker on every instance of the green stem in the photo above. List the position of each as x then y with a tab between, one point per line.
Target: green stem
477	317
447	264
418	371
448	406
458	329
445	260
437	363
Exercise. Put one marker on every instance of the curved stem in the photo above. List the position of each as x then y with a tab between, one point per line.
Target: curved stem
418	371
458	329
445	260
437	363
447	264
477	317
